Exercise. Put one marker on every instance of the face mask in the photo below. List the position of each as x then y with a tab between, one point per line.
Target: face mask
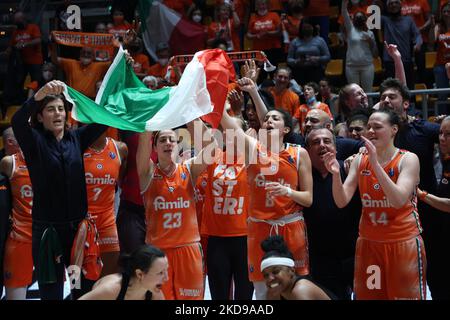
20	25
262	12
359	22
47	75
197	18
85	61
163	61
311	101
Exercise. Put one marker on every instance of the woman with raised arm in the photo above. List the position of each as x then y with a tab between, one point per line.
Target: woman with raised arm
390	258
280	182
54	157
168	191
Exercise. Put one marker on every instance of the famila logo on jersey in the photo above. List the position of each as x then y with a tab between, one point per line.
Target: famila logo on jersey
26	191
160	203
368	202
107	179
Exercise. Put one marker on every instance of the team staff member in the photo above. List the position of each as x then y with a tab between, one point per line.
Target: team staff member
224	221
280	183
390	258
54	159
103	161
18	264
168	191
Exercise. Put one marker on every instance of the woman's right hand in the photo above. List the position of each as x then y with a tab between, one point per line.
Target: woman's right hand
246	84
53	87
331	163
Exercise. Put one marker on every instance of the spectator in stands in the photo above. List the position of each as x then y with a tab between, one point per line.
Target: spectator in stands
284	97
160	69
440	34
103	54
353	7
361	49
351	97
308	55
419	10
318	13
48	74
225	27
151	82
341	130
357	124
82	74
141	63
264	30
197	17
25	44
311	90
291	22
401	31
183	7
120	25
326	96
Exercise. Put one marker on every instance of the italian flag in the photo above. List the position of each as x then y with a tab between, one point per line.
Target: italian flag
124	102
162	24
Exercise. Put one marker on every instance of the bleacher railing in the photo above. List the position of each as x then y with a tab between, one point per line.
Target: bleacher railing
425	93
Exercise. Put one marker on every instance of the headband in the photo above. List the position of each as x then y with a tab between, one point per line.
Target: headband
276	261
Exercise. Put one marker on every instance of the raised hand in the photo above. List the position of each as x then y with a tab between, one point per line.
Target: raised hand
246	84
250	70
331	163
392	50
54	87
236	99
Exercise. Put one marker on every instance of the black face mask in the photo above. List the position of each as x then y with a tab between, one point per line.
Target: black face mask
20	25
359	22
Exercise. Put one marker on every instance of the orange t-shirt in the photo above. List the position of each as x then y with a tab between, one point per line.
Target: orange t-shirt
31	54
83	79
102	172
180	6
417	9
270	22
291	25
352	11
199	192
318	8
443	49
170	209
22	200
284	169
228	28
287	100
141	63
301	113
379	220
158	70
226	200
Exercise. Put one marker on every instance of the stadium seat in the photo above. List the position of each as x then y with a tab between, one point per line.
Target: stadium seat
430	59
334	12
334	68
6	121
27	81
378	67
419	86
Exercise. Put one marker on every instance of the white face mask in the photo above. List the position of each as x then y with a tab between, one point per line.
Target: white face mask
197	18
47	75
163	61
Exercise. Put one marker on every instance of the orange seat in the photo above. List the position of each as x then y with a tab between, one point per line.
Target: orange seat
6	121
430	59
419	86
378	65
334	68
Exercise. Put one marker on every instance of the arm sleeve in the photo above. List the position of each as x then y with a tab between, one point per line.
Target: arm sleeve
416	34
25	135
324	52
432	131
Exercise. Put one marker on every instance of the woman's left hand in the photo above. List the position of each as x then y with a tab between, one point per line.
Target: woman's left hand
371	151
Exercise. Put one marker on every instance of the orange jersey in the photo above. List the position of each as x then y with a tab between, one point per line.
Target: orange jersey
22	194
226	201
170	209
200	191
379	220
102	171
284	169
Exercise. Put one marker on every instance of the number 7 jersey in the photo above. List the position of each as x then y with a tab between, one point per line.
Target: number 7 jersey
170	209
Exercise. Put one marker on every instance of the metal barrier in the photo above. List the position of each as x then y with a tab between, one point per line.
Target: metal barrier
425	98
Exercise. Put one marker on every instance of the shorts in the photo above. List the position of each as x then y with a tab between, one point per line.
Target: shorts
295	237
390	271
18	264
186	280
108	240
